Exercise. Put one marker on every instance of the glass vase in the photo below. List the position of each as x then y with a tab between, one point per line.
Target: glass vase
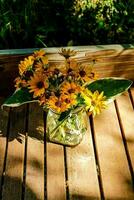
70	130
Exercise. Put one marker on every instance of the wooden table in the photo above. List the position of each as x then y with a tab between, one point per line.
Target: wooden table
100	167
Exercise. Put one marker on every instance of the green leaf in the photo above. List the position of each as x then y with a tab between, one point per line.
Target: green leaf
19	97
111	86
64	115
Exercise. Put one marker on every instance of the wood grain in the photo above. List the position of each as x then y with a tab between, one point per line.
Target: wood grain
34	187
55	172
114	140
115	171
82	174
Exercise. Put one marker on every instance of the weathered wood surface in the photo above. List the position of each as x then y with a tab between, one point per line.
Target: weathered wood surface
34	154
82	177
101	167
111	60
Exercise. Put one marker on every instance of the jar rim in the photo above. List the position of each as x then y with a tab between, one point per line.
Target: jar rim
73	111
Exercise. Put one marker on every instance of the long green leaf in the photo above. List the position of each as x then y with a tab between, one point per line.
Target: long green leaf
19	97
111	86
64	115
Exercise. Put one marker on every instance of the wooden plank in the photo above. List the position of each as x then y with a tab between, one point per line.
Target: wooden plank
55	186
55	172
3	134
126	114
124	70
115	172
12	188
82	175
35	155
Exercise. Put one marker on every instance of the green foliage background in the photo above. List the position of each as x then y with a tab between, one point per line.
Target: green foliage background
38	23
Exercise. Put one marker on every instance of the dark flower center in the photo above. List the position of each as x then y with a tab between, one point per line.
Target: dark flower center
20	85
56	71
67	100
58	103
28	73
82	73
92	75
40	84
93	103
69	70
47	94
71	90
34	64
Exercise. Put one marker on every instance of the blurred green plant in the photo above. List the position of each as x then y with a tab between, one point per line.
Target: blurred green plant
37	23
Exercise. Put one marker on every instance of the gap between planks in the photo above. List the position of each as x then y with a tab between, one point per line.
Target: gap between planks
124	108
98	169
124	141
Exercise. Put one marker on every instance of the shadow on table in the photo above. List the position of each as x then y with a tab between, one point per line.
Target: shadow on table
16	123
11	189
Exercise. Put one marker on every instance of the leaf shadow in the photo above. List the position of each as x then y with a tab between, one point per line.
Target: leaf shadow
16	123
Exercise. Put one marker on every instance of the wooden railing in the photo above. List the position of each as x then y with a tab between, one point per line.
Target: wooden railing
111	60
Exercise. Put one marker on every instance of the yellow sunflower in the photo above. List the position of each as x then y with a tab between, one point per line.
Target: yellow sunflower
39	54
38	84
42	64
44	60
26	64
71	69
67	53
39	67
70	88
95	101
19	83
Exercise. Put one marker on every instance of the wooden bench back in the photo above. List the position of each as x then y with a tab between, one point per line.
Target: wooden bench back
111	60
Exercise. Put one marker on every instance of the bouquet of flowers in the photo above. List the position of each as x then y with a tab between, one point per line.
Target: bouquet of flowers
66	92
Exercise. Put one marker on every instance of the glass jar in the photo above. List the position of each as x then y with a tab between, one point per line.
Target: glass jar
70	130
